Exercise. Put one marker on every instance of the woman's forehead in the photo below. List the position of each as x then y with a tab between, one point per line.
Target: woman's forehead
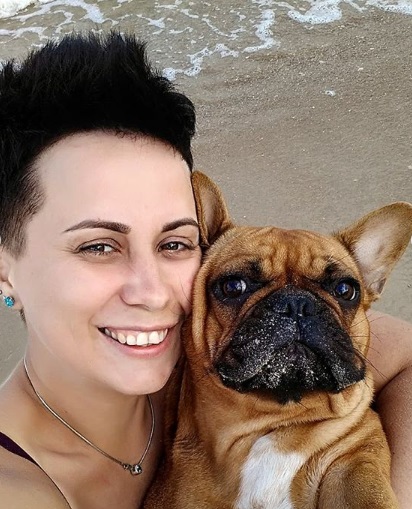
100	159
99	175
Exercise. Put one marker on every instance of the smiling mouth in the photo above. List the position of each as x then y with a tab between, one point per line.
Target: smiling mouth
137	338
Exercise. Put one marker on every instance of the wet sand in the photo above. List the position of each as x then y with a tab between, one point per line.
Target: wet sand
310	135
315	137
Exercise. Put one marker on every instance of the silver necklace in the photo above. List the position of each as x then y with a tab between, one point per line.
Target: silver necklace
133	468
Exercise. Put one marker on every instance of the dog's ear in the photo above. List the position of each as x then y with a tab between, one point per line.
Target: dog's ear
212	212
377	241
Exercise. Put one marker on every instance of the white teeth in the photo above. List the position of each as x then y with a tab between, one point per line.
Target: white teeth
130	339
142	339
138	338
155	337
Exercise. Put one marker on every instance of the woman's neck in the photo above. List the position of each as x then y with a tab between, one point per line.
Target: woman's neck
105	417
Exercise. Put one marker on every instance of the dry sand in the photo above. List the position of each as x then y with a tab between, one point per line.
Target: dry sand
313	135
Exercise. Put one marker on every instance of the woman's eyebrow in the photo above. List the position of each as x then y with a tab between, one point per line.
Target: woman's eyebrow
105	225
123	228
187	221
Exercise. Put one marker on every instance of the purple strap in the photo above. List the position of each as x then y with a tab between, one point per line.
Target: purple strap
8	444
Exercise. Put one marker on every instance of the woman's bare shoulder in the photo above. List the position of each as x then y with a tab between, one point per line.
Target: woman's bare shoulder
390	350
23	484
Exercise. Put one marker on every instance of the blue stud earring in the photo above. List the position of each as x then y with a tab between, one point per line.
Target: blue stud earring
9	301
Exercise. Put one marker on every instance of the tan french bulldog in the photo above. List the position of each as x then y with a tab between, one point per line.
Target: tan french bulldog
273	397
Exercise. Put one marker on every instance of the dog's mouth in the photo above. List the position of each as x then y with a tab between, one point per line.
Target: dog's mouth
290	356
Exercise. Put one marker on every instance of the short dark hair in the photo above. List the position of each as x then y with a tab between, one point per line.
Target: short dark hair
80	84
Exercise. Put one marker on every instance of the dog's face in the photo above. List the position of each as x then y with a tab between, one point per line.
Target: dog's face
285	312
282	312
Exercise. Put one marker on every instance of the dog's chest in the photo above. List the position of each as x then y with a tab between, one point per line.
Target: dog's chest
266	477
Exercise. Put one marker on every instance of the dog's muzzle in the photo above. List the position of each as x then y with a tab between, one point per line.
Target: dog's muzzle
290	344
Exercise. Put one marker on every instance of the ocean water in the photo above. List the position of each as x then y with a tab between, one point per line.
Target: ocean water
183	35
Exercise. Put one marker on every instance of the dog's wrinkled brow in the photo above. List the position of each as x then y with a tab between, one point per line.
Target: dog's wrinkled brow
254	269
334	270
251	269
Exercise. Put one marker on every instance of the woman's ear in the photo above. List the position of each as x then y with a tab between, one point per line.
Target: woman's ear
8	292
4	267
211	209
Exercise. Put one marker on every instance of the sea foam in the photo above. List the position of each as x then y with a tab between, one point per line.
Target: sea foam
182	34
11	7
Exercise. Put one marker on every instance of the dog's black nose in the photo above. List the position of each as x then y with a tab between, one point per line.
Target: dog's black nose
296	306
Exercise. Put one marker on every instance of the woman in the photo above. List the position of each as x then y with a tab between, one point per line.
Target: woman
100	245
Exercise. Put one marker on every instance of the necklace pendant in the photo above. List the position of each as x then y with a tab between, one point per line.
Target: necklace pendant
135	469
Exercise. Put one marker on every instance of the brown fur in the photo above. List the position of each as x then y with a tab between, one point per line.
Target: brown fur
346	458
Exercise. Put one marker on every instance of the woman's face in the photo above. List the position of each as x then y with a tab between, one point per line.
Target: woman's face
105	280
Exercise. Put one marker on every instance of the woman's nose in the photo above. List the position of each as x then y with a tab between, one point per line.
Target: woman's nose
147	285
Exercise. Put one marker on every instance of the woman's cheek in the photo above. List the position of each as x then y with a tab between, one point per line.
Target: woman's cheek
189	281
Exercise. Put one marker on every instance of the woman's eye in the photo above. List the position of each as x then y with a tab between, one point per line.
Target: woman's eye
174	246
100	249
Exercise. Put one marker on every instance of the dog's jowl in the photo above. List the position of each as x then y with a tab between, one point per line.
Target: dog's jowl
270	407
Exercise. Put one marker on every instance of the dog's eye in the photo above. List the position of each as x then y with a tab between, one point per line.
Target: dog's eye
233	288
346	290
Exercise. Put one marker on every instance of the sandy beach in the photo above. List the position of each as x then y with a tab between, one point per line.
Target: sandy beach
310	134
317	137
